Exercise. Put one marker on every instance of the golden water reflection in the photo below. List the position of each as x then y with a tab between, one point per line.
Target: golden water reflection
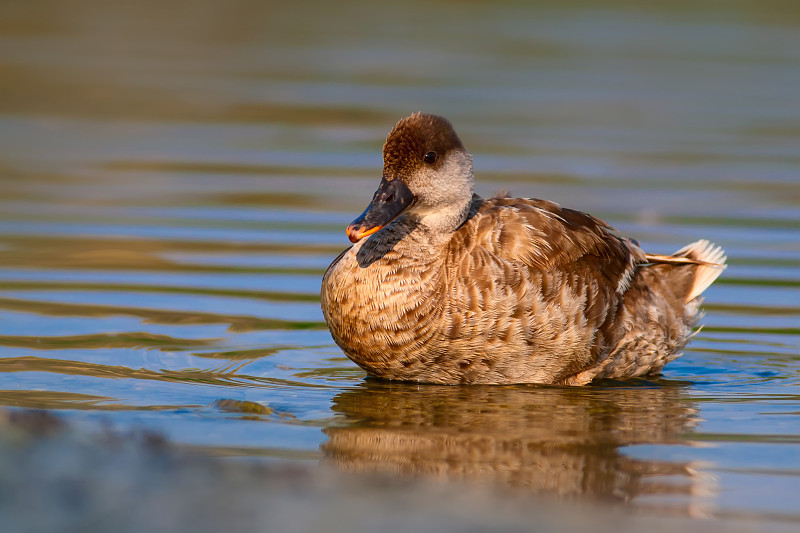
559	441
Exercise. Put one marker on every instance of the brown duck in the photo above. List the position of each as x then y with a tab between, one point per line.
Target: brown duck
443	286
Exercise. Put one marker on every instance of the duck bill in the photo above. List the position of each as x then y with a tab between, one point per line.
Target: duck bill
390	200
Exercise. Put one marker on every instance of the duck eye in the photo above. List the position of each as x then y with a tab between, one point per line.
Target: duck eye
430	158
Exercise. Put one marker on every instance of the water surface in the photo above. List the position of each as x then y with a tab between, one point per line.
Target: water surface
175	180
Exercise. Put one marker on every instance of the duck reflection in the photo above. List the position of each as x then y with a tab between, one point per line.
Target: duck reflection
559	440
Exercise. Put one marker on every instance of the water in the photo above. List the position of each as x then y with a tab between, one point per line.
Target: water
175	180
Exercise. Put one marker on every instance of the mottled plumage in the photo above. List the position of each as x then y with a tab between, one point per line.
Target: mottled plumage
458	289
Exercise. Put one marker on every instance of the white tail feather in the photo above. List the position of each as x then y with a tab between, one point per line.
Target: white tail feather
713	263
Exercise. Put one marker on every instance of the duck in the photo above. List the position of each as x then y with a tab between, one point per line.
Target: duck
443	286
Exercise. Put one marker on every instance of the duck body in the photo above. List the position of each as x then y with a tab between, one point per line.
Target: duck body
452	288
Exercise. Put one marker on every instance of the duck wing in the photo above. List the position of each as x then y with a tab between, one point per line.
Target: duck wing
543	285
547	237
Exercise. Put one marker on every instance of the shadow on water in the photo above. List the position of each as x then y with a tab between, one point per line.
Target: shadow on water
554	440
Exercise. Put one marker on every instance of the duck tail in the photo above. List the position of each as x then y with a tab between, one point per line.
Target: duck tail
708	258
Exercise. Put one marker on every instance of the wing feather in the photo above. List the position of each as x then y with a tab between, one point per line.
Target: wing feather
546	237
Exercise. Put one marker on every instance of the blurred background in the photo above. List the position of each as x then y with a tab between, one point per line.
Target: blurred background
176	176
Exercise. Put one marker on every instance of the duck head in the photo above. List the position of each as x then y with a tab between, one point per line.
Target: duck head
427	173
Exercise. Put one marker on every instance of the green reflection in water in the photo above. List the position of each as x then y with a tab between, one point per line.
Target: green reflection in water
236	323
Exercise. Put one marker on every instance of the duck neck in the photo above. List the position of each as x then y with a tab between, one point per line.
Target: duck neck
436	227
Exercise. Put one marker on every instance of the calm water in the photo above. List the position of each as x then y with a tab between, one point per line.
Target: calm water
175	180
